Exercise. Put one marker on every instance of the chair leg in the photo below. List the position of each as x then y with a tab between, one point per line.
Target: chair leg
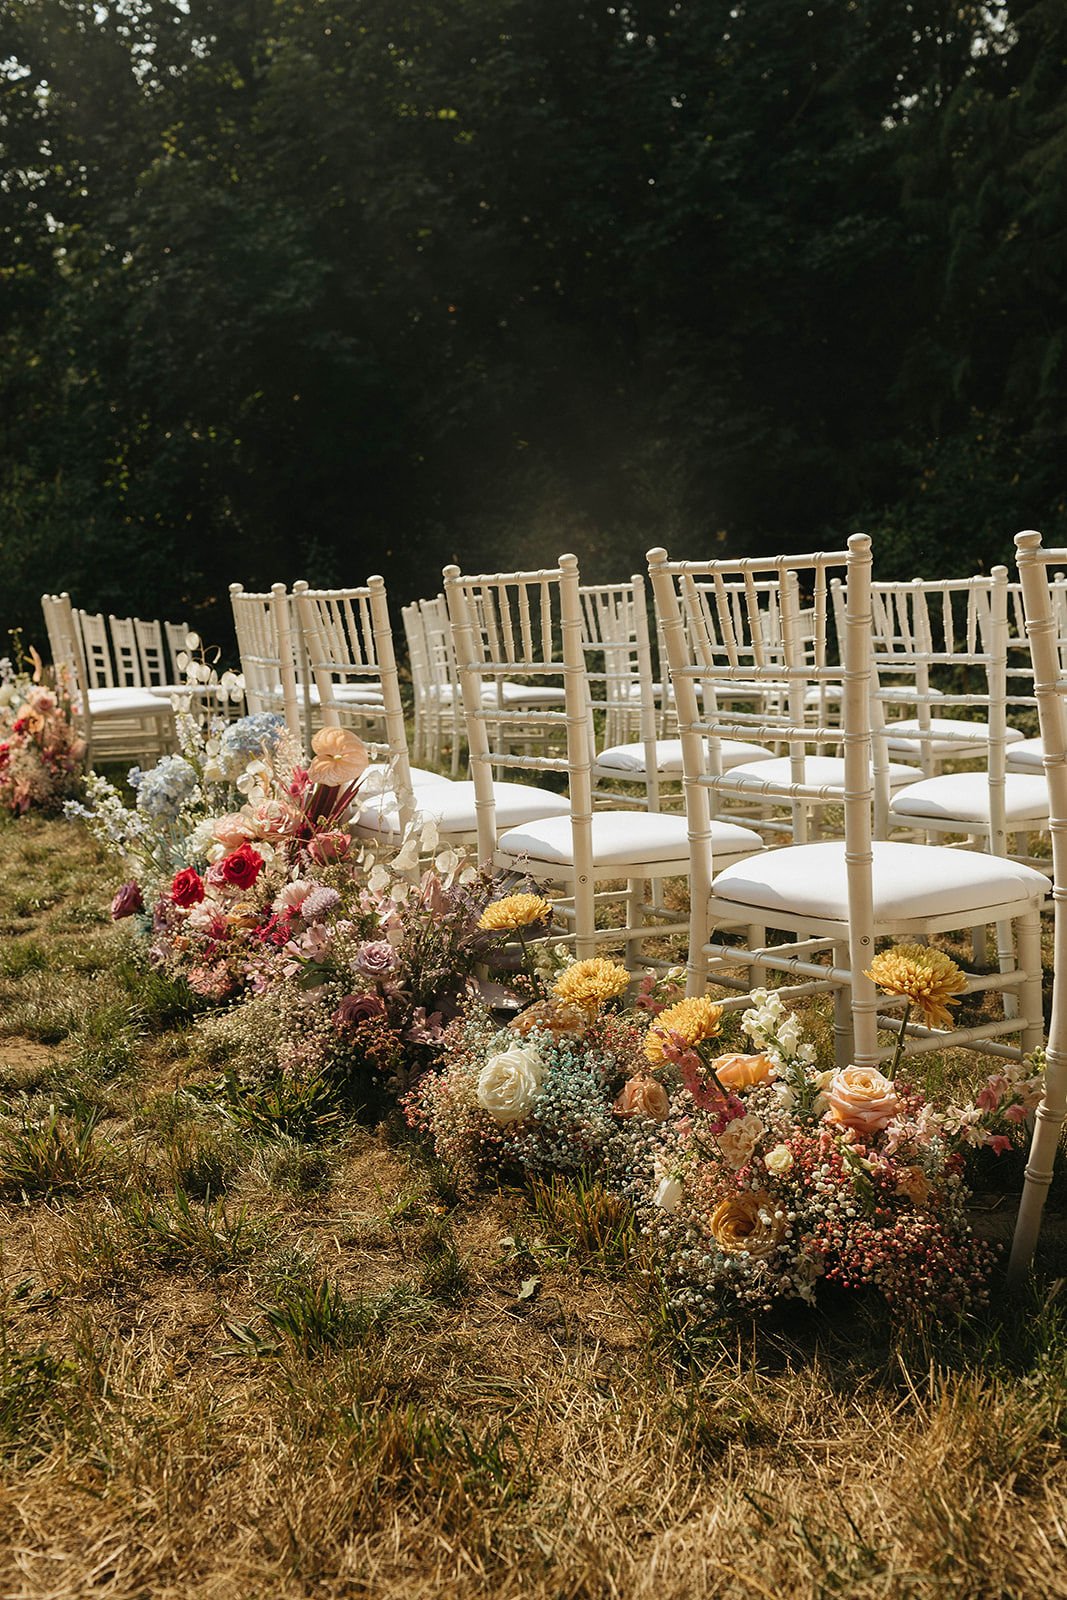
1029	945
1006	958
636	895
1043	1147
844	1021
757	938
979	946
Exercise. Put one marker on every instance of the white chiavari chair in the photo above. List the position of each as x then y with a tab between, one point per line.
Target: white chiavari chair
836	898
1044	628
527	627
118	723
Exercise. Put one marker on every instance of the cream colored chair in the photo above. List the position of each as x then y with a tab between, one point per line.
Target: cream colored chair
527	627
118	723
1047	645
837	898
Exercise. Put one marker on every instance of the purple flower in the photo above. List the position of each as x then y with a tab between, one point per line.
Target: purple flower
357	1008
128	900
376	959
425	1029
315	905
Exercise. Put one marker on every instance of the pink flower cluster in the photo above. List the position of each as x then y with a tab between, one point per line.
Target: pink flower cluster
42	755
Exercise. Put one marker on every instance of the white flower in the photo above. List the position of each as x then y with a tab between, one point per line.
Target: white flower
668	1195
739	1138
428	842
407	857
291	896
378	879
789	1035
779	1160
509	1082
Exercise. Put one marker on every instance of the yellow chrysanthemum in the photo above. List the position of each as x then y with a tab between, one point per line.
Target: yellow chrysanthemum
695	1019
926	977
591	983
514	911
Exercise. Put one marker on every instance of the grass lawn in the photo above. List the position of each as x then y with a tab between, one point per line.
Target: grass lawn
237	1363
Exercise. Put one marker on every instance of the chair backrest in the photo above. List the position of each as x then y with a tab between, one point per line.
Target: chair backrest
263	624
97	652
68	656
127	656
766	635
176	634
152	654
352	660
526	626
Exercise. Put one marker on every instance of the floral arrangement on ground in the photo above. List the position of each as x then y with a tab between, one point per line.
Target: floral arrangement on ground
42	753
755	1173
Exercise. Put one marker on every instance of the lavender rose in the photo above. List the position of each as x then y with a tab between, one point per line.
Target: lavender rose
127	901
376	959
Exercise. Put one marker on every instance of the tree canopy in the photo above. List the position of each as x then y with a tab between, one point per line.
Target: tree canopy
315	288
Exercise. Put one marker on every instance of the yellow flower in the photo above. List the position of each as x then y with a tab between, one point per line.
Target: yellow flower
591	983
514	911
696	1019
926	977
749	1222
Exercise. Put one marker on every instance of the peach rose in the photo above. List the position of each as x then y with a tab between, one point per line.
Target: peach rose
742	1071
642	1097
339	759
557	1017
234	829
748	1222
861	1098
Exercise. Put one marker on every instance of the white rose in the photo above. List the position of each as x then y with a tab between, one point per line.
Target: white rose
508	1083
668	1195
779	1160
739	1138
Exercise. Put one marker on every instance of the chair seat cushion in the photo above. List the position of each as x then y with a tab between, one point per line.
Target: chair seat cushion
379	779
962	738
1026	756
126	703
624	838
911	881
964	797
512	694
619	760
826	772
451	806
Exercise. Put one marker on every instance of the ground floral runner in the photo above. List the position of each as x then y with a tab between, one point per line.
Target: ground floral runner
335	980
42	754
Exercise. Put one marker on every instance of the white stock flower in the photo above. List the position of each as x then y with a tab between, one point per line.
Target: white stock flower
509	1082
668	1195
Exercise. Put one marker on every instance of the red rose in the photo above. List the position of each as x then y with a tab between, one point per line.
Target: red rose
187	887
241	867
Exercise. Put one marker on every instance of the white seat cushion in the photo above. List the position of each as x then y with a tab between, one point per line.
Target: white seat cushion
826	772
964	797
451	806
512	694
624	838
1026	756
968	738
620	760
911	882
126	702
379	779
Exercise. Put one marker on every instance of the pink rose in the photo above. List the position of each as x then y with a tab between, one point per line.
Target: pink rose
329	847
357	1008
861	1098
128	900
376	959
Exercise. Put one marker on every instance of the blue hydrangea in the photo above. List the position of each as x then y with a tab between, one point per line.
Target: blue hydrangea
163	791
250	737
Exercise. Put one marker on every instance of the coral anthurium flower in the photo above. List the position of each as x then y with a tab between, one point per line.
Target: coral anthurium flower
340	757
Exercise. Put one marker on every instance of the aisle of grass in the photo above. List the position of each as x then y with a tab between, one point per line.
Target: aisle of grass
234	1363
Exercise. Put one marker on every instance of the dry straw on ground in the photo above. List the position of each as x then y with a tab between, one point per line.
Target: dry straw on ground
242	1366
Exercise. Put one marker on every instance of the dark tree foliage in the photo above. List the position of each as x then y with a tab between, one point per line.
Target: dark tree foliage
324	287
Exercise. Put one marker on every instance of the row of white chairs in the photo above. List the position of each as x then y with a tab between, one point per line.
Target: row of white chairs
803	660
